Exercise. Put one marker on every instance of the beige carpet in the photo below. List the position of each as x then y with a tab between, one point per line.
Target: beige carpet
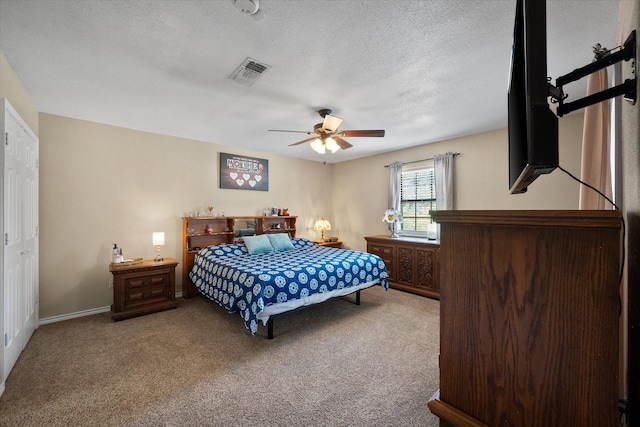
335	364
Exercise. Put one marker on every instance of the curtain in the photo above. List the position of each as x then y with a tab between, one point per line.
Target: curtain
395	179
596	146
443	171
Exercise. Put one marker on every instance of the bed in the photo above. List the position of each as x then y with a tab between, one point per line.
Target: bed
291	273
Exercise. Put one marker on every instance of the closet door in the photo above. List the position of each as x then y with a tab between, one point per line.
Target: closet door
29	229
20	236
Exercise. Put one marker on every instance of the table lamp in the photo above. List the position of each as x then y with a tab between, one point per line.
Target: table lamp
322	225
158	240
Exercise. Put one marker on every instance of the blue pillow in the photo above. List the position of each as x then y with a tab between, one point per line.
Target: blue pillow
258	244
280	242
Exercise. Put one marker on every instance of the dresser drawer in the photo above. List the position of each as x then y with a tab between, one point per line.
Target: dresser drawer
385	252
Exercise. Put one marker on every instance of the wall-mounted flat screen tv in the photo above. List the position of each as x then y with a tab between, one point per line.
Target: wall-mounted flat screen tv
533	127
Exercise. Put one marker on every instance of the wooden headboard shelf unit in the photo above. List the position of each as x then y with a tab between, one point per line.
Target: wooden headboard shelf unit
195	236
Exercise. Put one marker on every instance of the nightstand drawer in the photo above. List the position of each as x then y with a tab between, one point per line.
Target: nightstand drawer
135	283
146	295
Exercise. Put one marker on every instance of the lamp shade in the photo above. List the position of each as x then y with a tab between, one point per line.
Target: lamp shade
158	238
322	225
331	144
318	146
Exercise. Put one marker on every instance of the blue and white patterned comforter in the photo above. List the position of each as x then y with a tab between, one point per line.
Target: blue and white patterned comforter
247	283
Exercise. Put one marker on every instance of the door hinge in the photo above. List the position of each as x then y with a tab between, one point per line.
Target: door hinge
6	340
6	239
6	138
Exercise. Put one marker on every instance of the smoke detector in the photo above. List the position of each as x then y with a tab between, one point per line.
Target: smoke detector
247	6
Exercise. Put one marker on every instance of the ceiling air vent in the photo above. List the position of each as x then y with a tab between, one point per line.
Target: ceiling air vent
249	71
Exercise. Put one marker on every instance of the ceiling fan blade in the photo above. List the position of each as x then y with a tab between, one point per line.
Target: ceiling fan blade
369	133
295	131
331	123
342	143
302	142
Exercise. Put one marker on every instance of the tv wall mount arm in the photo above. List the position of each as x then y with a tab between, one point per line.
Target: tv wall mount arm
628	88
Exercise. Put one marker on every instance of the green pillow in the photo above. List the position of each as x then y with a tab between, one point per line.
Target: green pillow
258	244
280	242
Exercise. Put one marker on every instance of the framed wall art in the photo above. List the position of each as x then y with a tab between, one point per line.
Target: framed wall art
243	172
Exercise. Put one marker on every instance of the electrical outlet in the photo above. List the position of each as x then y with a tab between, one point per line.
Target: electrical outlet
110	282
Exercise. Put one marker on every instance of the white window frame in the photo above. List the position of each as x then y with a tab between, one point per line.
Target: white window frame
410	168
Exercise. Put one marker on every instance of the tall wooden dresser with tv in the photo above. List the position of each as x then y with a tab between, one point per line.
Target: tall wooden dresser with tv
529	312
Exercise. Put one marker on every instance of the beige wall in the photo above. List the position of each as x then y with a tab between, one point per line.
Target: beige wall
481	180
101	185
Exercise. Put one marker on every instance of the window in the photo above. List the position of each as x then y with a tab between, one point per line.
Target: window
417	197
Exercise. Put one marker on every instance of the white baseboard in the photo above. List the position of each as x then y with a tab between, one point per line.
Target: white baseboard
75	315
1	388
83	313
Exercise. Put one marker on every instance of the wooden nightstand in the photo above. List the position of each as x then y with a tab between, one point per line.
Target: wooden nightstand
143	288
337	244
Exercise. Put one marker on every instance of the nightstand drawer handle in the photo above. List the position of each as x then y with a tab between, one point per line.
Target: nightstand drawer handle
146	295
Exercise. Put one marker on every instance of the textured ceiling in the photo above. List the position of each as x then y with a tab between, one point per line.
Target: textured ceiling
424	70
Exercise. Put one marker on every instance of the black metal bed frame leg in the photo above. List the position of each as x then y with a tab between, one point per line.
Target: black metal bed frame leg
270	328
270	321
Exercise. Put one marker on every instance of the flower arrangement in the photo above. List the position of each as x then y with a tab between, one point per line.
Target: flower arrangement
392	217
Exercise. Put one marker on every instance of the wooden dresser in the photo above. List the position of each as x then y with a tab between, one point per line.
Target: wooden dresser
143	288
529	312
412	263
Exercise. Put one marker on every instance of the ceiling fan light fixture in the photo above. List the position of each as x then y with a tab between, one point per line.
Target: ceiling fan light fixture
326	135
318	146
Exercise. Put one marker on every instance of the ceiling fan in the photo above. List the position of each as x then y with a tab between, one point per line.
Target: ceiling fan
326	135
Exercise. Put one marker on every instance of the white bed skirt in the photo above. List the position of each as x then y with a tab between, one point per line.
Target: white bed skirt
273	309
